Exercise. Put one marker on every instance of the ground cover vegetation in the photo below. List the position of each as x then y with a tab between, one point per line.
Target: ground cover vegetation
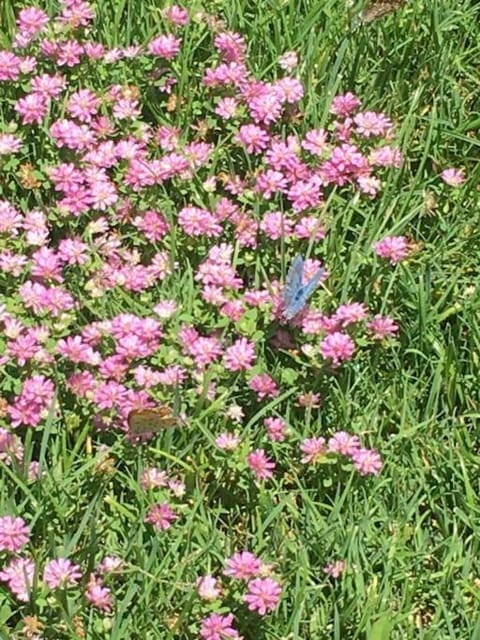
182	454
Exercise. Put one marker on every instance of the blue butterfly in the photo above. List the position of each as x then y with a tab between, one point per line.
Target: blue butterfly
296	294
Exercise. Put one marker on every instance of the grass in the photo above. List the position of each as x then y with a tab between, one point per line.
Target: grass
410	537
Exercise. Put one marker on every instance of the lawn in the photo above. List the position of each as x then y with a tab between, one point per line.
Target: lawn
180	456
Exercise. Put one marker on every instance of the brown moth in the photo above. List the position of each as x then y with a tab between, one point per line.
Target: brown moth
376	9
151	420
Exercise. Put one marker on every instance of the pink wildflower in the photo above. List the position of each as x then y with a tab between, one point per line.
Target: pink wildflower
305	194
382	327
316	142
82	384
76	13
145	376
288	60
31	21
33	473
243	565
68	54
337	346
73	251
314	449
197	222
386	157
102	193
161	516
453	177
10	219
19	574
289	90
276	225
152	478
351	313
261	465
208	588
165	309
240	355
276	429
83	105
227	108
46	265
36	227
172	375
177	487
234	73
345	104
11	447
168	137
125	109
370	123
76	350
284	154
9	66
9	143
227	441
335	569
263	595
33	402
231	46
369	185
233	309
98	595
176	15
61	573
110	564
33	108
48	86
24	348
344	443
346	163
264	386
367	461
218	627
28	64
393	248
153	225
270	182
14	534
164	47
310	227
266	107
205	350
253	137
213	295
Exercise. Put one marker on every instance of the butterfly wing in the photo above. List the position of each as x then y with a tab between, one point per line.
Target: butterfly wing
301	295
294	281
313	283
151	420
296	305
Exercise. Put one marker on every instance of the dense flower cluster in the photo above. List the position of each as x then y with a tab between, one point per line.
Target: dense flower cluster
60	573
107	362
262	593
171	217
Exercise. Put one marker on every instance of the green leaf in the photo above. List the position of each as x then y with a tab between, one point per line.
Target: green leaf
381	628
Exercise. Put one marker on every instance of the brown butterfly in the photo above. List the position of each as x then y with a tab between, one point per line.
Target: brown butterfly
142	421
376	9
28	177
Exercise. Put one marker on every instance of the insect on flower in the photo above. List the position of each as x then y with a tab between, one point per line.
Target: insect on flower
151	420
296	294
